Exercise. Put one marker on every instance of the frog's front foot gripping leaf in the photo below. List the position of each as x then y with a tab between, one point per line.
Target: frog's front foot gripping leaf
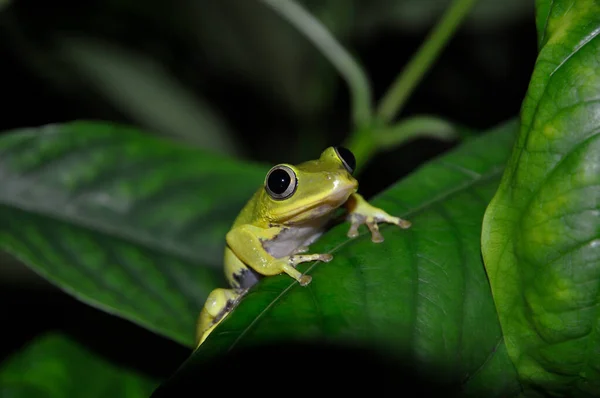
361	212
295	259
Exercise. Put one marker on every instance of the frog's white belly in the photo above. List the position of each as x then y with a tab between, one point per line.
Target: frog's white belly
291	238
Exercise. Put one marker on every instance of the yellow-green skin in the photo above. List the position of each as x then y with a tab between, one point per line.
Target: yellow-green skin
269	235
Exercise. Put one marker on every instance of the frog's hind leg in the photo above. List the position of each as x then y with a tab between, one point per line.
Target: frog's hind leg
221	302
238	274
218	304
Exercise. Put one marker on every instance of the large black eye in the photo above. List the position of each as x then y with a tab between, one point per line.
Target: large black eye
347	158
280	182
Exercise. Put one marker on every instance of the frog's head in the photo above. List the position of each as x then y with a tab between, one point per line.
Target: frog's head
311	190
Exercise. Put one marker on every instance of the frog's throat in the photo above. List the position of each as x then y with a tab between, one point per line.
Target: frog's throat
316	209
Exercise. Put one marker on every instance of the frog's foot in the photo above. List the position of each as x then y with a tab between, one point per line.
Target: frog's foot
361	212
304	258
288	265
219	303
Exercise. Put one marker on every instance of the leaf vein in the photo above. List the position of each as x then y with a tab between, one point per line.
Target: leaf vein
576	49
463	261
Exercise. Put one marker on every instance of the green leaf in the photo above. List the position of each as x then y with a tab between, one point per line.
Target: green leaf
541	234
542	16
124	221
53	366
422	293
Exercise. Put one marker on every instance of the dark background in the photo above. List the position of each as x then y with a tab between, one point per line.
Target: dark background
277	97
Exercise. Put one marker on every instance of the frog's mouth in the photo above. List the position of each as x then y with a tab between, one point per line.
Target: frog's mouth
320	208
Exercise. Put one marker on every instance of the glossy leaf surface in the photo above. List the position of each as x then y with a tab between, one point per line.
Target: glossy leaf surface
126	222
541	236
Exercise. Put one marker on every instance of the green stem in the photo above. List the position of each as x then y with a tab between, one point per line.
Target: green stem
351	71
362	144
415	127
405	83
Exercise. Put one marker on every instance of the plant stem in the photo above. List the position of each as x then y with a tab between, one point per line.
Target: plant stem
403	86
416	127
365	143
350	69
362	144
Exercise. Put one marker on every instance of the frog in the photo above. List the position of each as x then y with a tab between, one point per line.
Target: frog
273	232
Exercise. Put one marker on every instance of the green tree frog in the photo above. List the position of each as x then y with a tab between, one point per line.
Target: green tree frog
290	211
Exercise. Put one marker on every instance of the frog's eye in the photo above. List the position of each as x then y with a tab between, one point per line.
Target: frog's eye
347	158
281	182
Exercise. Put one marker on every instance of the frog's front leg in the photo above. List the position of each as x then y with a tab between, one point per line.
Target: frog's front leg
247	243
361	212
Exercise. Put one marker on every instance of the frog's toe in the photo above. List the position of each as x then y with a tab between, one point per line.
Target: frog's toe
353	231
386	218
404	224
305	280
326	257
376	236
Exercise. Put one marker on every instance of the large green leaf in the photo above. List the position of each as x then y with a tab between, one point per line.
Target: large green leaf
55	367
423	293
541	235
126	222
